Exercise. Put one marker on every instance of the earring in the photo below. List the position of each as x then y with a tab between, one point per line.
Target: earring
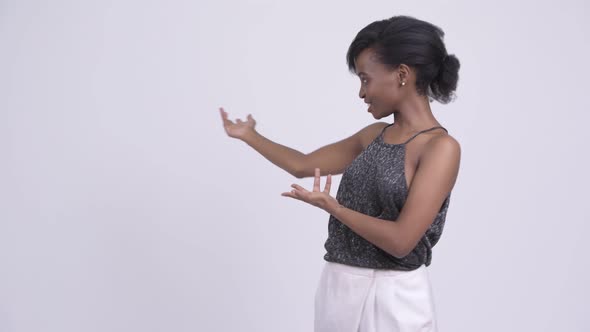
403	83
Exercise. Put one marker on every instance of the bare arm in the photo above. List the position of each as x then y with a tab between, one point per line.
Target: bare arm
434	180
331	159
335	157
286	158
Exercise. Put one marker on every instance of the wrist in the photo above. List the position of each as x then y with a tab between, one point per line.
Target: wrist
249	136
334	208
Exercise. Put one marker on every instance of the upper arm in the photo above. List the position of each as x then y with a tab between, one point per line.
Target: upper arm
432	183
335	157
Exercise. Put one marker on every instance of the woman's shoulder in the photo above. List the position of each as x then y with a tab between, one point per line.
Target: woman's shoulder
443	138
442	143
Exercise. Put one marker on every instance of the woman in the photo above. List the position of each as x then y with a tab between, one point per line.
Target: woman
391	204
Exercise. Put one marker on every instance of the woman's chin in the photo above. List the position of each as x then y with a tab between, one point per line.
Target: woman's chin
371	110
375	114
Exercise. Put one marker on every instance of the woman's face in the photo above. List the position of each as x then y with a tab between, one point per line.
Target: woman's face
381	86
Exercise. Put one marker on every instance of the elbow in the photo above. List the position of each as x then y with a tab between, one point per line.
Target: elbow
298	174
402	241
299	170
397	252
401	249
400	253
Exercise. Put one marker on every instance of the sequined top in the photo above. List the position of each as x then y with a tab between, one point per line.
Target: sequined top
375	184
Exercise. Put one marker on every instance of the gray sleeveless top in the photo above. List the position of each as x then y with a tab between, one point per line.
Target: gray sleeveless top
375	184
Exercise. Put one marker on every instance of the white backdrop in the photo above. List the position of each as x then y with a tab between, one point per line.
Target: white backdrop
125	207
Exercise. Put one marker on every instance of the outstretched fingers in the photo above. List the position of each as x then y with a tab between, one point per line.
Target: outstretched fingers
328	184
316	180
224	118
298	187
291	194
296	193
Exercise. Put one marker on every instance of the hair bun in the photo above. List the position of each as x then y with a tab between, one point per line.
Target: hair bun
445	84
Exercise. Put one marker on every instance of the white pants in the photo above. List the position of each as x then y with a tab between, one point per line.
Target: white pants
355	299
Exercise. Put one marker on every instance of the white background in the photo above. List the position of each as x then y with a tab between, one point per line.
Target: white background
125	207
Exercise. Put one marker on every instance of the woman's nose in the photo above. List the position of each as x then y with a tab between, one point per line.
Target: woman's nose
361	93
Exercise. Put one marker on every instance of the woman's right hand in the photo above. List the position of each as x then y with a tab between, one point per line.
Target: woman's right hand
240	128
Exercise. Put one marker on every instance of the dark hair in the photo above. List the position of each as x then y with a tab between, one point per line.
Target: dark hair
416	43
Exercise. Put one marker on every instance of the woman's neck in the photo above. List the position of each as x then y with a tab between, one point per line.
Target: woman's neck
414	115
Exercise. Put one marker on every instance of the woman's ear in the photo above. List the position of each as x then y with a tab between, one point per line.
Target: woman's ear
403	73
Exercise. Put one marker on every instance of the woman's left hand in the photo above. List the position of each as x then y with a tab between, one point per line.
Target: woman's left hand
321	199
